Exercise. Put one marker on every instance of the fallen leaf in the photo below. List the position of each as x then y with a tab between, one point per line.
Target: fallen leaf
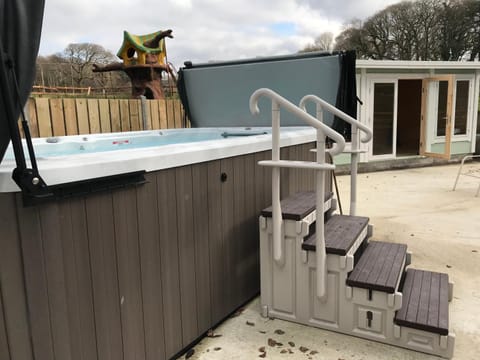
262	355
238	312
313	352
271	342
249	323
262	331
283	351
217	348
303	349
279	332
189	353
449	266
474	251
291	343
261	349
211	334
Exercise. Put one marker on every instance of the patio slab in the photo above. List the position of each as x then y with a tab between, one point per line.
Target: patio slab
416	207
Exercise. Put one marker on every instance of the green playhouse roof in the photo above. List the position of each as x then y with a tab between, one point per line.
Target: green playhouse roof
138	40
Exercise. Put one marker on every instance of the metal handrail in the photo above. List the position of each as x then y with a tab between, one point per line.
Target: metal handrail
332	109
322	131
467	157
367	136
295	110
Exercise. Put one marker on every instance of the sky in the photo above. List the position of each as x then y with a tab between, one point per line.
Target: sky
203	30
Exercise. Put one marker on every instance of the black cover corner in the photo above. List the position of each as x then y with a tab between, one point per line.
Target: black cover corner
347	93
182	93
20	29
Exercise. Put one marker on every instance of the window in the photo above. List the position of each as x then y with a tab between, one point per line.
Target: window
383	118
442	107
461	107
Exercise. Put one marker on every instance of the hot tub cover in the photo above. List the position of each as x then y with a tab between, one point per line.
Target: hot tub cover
217	94
20	28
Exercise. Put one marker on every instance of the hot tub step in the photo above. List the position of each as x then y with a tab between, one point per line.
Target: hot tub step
341	232
380	267
425	302
297	206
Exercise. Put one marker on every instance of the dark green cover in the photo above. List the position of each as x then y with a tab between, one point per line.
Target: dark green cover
20	28
217	94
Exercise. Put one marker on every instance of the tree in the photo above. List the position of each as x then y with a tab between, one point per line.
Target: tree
80	58
417	30
472	13
352	38
323	42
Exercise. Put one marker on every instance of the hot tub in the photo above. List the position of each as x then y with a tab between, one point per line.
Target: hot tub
142	271
73	158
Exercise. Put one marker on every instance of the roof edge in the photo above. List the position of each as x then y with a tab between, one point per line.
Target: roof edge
411	64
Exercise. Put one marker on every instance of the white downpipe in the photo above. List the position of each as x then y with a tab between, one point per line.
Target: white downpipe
322	131
368	134
276	208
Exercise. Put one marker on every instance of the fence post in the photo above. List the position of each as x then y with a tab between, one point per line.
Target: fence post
144	112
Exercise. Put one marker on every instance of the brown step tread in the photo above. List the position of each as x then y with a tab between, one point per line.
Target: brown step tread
425	302
297	206
380	267
341	231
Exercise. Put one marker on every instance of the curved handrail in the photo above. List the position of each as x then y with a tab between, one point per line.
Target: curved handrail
322	131
332	109
295	110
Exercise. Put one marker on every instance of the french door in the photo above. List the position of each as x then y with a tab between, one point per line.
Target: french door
436	125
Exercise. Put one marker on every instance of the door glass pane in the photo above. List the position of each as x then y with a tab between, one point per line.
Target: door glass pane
442	107
461	107
383	118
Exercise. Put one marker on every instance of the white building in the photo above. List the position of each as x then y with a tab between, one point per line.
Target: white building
427	108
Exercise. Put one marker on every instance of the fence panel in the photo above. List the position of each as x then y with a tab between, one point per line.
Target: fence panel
70	113
115	115
82	116
58	120
104	110
93	116
78	116
43	113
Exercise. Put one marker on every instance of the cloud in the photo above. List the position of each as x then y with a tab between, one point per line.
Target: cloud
345	10
204	30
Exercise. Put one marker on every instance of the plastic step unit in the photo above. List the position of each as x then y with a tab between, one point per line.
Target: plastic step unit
341	232
300	205
279	280
423	320
345	236
373	289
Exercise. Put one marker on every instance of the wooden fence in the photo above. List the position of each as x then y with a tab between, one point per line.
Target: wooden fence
76	116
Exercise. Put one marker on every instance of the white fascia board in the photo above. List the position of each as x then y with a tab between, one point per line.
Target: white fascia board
400	64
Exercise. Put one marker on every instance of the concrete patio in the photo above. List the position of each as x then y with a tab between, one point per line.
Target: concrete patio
416	207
